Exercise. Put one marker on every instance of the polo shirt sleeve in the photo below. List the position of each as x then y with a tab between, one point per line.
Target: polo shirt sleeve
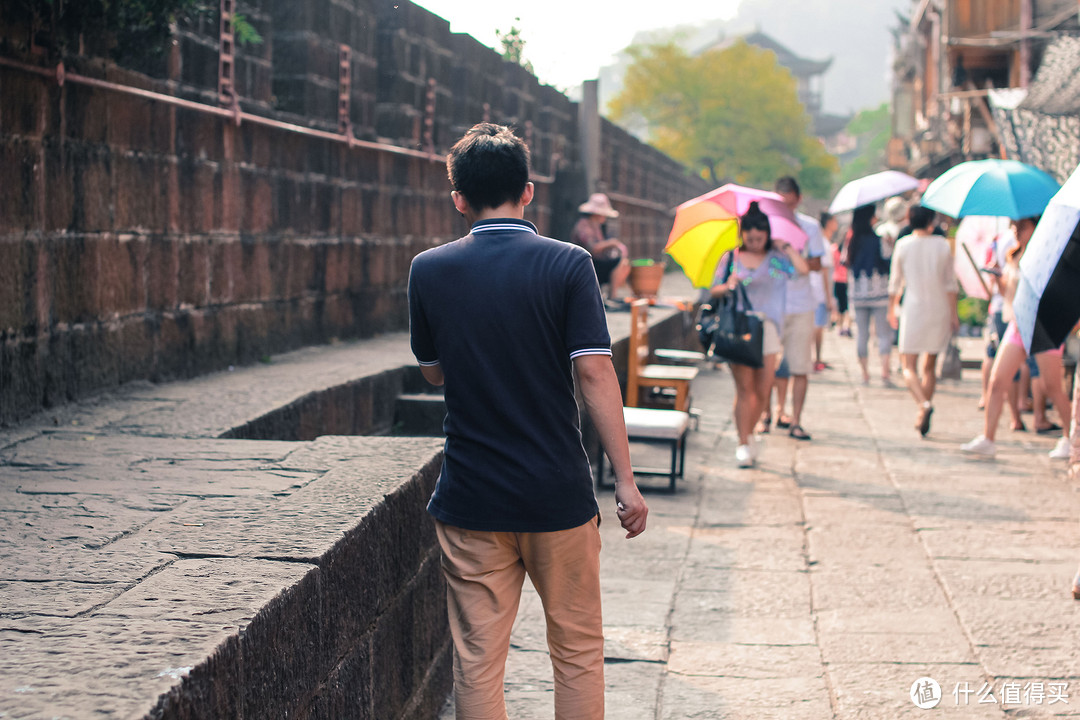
586	321
423	345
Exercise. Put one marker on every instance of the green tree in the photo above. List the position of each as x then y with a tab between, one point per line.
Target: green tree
871	130
126	30
513	46
727	114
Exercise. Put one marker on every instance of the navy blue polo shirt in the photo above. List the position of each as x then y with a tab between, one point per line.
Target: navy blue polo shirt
504	312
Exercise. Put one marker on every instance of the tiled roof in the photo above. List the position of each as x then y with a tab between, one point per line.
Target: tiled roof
1056	88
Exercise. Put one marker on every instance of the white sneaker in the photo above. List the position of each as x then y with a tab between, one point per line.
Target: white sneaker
744	456
980	446
1061	450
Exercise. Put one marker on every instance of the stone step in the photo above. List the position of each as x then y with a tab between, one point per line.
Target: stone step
419	414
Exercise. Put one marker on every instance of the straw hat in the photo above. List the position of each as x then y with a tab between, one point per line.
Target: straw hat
598	204
895	210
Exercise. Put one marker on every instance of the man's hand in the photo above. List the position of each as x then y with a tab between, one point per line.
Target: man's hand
631	508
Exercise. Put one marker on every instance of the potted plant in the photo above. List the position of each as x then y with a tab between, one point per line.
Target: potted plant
646	275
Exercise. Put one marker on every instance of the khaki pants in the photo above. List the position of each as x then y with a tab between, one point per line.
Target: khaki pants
484	575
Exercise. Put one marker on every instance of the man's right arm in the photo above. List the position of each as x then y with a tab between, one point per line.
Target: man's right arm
603	400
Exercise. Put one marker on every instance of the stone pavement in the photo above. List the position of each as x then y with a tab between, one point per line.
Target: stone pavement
136	543
824	582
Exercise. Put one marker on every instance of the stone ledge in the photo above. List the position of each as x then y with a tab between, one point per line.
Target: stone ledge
260	596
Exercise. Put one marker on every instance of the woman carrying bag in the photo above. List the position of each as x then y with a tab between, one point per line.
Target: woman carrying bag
756	273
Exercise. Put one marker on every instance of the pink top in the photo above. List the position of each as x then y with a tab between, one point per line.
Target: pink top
839	274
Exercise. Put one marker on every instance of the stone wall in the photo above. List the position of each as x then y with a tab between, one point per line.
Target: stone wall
140	240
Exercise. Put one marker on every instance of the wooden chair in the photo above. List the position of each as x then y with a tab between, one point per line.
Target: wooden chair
641	374
652	426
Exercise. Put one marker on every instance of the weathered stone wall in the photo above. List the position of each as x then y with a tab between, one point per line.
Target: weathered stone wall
139	240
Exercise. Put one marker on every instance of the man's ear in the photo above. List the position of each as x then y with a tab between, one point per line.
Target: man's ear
527	196
460	202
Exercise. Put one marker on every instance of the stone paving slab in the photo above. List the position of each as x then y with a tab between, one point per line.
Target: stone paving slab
127	562
823	583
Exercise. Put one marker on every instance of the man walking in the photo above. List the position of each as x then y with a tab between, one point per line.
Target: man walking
506	319
798	319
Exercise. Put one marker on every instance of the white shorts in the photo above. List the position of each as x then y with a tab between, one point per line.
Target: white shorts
771	341
798	339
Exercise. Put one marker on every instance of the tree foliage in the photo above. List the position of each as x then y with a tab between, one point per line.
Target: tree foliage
871	130
513	46
126	30
730	114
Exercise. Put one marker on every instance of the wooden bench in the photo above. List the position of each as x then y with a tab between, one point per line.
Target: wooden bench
652	426
640	374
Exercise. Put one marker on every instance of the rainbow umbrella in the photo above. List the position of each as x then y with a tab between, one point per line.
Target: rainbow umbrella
708	226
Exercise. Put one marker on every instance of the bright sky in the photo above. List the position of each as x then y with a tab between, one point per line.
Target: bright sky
568	41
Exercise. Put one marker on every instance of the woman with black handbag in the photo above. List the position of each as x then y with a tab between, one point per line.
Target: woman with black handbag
752	281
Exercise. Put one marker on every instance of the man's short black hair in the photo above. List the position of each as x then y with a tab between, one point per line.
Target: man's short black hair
788	184
489	166
921	217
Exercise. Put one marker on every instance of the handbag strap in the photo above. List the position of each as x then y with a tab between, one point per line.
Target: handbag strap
740	289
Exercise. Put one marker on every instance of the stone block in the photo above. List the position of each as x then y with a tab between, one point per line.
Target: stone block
22	380
137	349
393	677
92	192
194	271
255	261
347	691
25	100
139	199
258	210
200	65
59	179
338	318
209	690
200	137
172	346
196	199
86	114
163	272
130	123
227	276
72	261
16	286
120	282
20	189
351	211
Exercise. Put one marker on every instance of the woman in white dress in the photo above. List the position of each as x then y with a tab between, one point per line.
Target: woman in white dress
922	272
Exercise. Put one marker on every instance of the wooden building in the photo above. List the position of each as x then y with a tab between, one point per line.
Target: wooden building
951	57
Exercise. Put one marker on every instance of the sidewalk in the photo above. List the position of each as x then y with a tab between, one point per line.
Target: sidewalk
824	582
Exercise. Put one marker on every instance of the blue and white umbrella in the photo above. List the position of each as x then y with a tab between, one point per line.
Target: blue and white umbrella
1047	303
995	187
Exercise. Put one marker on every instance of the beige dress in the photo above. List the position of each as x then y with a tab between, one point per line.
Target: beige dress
922	269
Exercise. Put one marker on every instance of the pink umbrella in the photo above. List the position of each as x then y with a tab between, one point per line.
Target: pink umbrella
707	226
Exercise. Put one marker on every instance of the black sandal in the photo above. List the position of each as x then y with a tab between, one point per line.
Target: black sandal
783	423
798	433
763	425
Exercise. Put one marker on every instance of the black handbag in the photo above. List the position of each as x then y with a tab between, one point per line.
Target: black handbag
739	335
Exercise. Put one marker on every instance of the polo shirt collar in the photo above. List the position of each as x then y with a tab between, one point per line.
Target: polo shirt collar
503	225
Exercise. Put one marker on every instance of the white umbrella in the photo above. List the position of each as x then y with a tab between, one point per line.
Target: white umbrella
872	188
1047	302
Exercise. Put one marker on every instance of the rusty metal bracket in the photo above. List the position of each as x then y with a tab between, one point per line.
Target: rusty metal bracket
226	55
344	89
429	117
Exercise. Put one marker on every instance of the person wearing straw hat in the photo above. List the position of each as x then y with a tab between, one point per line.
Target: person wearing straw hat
610	257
